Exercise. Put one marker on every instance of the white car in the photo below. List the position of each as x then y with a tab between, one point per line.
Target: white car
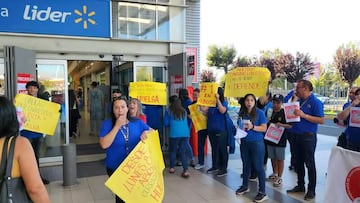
323	99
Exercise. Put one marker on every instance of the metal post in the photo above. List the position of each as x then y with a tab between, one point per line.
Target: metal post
69	164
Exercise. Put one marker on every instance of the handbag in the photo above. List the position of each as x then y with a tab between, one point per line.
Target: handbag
12	190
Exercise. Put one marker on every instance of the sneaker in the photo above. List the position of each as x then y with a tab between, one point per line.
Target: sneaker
199	166
192	163
277	182
296	189
212	170
221	173
252	179
242	190
272	177
309	195
260	197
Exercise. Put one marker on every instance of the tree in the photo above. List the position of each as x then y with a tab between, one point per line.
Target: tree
221	57
207	76
242	61
294	68
347	63
268	59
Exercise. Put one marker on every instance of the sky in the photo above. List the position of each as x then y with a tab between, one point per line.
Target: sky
316	27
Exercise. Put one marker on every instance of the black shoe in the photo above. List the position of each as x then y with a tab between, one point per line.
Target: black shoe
45	181
242	190
212	170
309	195
221	173
252	178
296	189
260	197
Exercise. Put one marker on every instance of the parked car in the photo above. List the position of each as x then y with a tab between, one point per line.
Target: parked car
323	99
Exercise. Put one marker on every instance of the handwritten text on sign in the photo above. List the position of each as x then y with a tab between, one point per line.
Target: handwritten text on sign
153	93
241	81
139	178
41	116
208	91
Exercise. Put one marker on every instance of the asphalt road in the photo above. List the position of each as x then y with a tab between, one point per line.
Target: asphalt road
330	128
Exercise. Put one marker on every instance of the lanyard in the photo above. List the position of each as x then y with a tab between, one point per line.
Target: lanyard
125	132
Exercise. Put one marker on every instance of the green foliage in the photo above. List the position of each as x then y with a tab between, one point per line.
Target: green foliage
294	68
221	57
207	76
347	62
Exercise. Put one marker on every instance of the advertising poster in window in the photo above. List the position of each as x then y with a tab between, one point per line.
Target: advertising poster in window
191	62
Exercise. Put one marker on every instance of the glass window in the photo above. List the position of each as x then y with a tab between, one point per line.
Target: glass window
148	22
2	77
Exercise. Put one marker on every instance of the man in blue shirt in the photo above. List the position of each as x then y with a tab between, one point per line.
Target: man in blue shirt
311	113
35	138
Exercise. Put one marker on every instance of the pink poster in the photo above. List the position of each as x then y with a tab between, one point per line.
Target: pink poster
289	109
273	133
355	117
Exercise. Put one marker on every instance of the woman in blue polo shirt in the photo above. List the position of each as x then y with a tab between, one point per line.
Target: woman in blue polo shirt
252	146
120	134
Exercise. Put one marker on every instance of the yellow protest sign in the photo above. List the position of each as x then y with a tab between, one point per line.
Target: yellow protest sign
243	80
153	93
198	119
41	116
140	177
208	91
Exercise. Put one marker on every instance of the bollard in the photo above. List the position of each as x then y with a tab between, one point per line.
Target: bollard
69	164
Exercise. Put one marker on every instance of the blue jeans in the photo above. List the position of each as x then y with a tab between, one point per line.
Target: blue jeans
253	156
180	142
305	153
219	152
202	134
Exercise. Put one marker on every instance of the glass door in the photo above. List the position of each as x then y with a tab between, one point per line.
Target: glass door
52	78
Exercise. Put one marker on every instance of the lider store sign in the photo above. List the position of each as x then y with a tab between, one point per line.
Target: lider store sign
83	18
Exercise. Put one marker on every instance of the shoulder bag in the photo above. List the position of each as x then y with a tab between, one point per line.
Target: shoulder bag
12	190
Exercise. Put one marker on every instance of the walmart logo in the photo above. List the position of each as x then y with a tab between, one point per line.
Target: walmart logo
85	17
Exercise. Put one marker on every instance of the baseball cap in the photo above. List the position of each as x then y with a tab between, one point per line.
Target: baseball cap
278	97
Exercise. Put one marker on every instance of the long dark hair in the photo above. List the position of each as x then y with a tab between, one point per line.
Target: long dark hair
183	94
128	116
244	111
220	91
177	110
9	124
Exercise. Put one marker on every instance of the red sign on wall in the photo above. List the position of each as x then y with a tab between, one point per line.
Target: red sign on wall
22	79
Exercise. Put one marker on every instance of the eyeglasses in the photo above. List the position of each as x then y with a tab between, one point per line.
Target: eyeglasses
298	87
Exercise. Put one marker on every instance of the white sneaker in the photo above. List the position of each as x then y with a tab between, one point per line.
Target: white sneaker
198	166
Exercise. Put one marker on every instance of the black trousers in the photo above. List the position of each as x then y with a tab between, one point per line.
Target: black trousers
117	199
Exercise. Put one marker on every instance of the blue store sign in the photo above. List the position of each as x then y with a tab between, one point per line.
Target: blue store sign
85	18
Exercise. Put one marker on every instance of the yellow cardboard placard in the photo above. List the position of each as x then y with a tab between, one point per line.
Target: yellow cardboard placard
41	116
208	91
198	119
243	80
153	93
139	178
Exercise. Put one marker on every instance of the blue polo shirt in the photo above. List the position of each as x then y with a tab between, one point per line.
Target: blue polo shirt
116	153
216	120
311	106
255	135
